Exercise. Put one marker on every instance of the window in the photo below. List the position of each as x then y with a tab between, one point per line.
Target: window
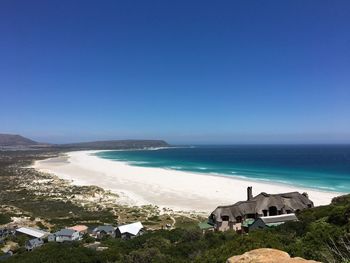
272	211
225	218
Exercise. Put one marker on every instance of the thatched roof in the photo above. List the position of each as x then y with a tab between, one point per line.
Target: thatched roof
232	211
287	201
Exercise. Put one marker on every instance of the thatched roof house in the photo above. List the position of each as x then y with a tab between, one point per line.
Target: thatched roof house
261	205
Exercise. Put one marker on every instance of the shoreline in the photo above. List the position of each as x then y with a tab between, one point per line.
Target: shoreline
165	188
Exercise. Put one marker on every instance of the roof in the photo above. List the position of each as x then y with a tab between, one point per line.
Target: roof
79	228
288	201
205	225
133	228
106	228
232	211
35	241
65	232
34	232
279	218
248	222
292	201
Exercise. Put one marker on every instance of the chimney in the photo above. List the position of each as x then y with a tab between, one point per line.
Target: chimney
249	193
305	194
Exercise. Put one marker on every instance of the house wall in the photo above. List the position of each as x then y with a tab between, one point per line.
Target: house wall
30	247
127	235
101	234
74	237
51	238
224	226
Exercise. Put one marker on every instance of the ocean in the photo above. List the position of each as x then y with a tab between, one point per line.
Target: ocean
322	167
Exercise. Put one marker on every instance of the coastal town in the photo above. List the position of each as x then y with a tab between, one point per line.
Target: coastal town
35	237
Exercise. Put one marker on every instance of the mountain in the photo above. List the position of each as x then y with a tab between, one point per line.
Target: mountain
9	140
17	141
116	144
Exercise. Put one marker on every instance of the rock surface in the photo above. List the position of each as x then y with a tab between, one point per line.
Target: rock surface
267	255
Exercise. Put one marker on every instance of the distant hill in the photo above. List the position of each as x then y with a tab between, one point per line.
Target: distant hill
10	140
19	142
116	144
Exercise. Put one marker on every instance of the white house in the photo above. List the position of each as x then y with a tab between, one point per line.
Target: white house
64	235
129	230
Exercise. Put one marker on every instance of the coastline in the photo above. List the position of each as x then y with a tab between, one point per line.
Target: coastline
165	188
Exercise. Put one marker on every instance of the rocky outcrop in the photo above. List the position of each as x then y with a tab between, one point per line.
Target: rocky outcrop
267	255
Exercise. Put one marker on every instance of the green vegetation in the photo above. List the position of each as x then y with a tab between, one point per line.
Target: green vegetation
59	212
321	234
4	219
186	223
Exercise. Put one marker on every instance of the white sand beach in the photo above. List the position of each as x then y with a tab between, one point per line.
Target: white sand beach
177	190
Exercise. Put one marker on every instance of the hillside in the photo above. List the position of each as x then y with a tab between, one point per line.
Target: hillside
15	140
322	234
18	141
115	144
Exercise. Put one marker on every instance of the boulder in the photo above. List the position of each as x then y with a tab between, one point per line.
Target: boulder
267	255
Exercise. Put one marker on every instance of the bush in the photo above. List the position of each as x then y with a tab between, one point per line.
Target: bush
5	219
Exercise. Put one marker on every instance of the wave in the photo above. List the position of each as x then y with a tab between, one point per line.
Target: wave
175	167
137	162
209	167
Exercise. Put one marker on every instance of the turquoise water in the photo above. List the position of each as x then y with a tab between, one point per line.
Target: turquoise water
323	167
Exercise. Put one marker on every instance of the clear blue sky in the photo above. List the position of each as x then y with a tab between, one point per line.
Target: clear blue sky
183	71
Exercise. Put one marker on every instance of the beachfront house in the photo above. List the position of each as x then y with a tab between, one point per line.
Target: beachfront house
102	231
263	205
33	243
31	232
130	230
64	235
271	221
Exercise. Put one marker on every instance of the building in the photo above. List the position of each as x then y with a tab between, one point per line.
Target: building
263	205
5	232
82	229
64	235
130	230
32	232
33	243
271	221
205	227
101	231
